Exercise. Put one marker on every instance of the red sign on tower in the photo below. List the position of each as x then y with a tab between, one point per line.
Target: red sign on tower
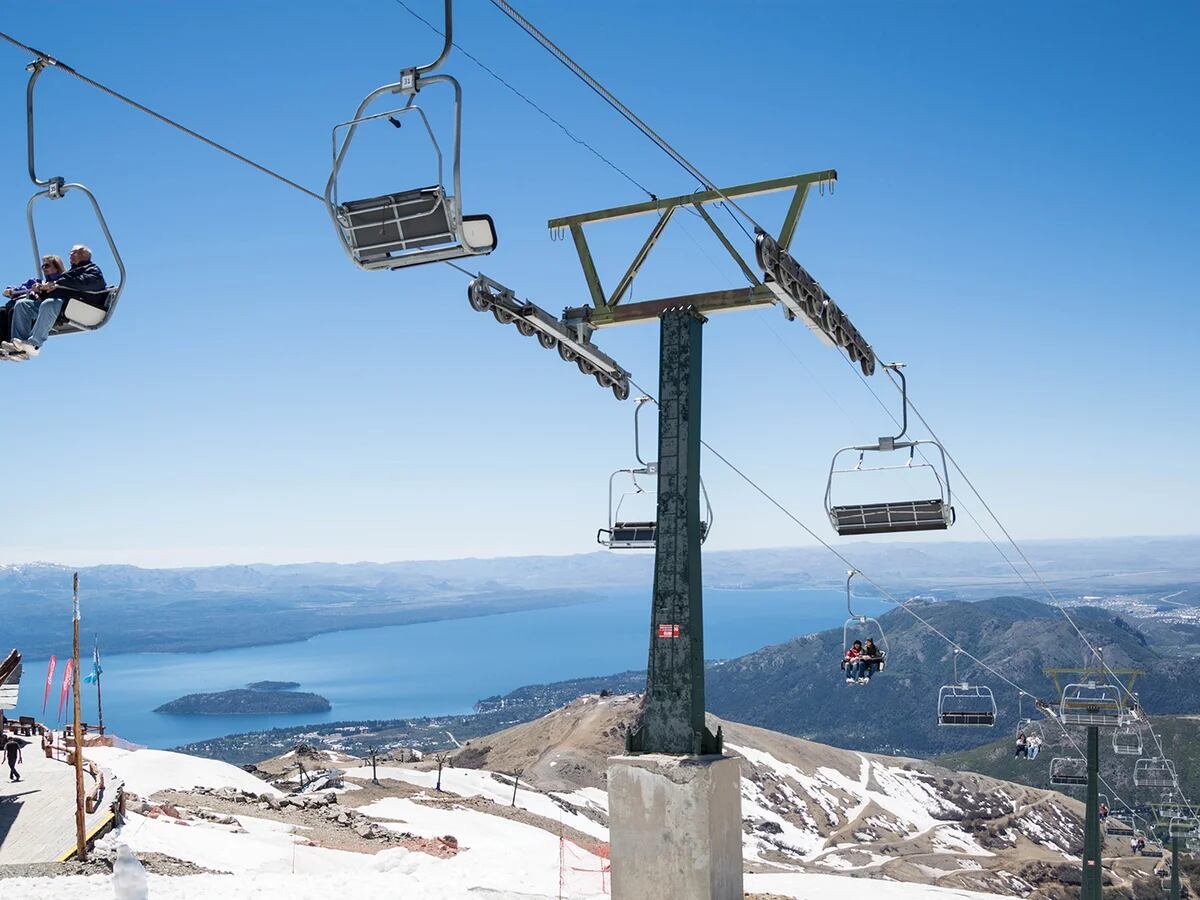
668	631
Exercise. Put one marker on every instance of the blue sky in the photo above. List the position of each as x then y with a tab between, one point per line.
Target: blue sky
1016	219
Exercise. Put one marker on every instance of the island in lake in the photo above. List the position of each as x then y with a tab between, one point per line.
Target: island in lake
258	699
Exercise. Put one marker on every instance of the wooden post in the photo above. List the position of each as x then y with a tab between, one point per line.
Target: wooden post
80	825
441	758
374	775
516	781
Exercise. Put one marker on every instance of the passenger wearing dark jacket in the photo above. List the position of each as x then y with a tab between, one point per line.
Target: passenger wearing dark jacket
52	270
35	315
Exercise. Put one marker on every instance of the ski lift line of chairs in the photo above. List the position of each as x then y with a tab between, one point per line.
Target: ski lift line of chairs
1127	741
894	516
1090	703
1068	771
963	704
485	294
863	623
627	534
83	310
1154	772
416	226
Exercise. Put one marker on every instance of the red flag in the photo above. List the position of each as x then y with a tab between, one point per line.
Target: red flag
68	671
49	681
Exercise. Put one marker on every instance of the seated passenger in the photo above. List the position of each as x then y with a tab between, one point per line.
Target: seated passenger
52	270
1103	811
35	315
1022	748
1033	745
852	663
872	660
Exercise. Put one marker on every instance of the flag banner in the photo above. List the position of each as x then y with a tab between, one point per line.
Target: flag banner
49	682
68	671
94	676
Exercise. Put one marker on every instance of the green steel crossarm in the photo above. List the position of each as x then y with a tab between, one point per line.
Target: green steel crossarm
636	265
788	231
589	267
742	190
650	310
737	257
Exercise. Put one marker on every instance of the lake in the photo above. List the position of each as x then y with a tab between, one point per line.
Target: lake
429	668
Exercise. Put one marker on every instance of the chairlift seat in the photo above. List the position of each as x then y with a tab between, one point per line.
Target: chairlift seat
1127	741
1117	828
1154	772
1068	772
965	704
85	311
891	518
636	535
410	228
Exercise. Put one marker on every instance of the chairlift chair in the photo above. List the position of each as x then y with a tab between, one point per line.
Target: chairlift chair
1154	772
641	534
84	310
894	516
1182	826
863	624
1027	726
1068	771
965	704
419	225
1127	740
1090	703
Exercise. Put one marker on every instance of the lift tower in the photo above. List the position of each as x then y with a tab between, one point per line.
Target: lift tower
674	798
1094	702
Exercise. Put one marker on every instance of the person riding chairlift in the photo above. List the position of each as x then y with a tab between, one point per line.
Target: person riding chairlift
872	661
1032	746
1022	747
852	663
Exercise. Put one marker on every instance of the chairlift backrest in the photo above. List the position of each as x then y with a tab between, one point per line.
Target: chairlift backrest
418	225
1067	771
892	517
1090	703
1154	772
1127	741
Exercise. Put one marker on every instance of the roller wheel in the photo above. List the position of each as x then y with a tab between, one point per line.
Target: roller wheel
503	316
620	390
548	341
604	380
567	354
478	299
585	366
525	328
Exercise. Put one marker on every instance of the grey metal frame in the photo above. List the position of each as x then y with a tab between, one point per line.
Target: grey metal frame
861	620
55	188
573	342
644	533
984	710
1154	772
410	83
1123	747
1092	703
1076	777
899	515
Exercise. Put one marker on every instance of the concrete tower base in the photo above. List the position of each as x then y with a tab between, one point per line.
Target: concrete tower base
675	827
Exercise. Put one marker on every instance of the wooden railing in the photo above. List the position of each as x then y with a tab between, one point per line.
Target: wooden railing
63	753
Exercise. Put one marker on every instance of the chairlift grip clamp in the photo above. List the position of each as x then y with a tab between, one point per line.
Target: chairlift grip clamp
55	187
410	81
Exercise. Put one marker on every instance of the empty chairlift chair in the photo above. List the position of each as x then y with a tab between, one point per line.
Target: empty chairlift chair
1154	772
965	704
1068	771
640	533
892	517
1090	703
417	225
1127	740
